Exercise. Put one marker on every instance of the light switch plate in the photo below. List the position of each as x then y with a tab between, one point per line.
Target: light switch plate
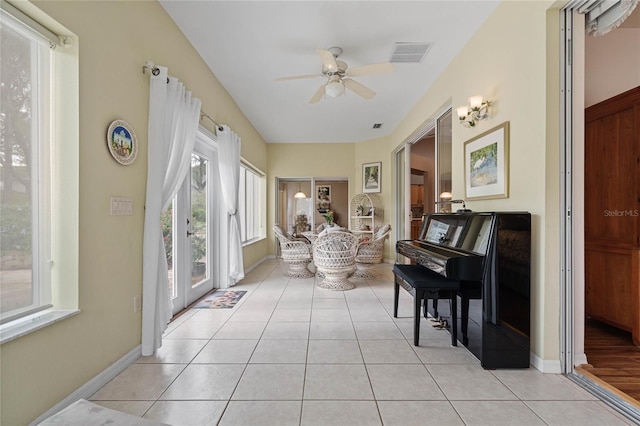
121	206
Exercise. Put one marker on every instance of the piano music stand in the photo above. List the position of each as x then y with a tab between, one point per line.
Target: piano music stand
421	282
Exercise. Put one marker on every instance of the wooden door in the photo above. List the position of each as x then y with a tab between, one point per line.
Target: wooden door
612	211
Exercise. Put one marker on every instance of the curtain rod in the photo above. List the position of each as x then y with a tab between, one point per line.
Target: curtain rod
148	65
203	116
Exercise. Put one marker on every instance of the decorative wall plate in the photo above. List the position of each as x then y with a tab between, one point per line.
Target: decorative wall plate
122	142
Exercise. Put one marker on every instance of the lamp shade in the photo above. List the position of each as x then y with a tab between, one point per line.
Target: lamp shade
334	89
445	196
462	111
475	102
300	194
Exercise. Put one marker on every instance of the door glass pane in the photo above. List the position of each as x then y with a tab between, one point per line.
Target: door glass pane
401	220
166	219
443	134
199	258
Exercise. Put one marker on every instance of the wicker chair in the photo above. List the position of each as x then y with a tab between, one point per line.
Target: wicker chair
334	255
369	253
295	253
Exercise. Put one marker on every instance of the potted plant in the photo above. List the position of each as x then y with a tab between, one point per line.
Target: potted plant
328	216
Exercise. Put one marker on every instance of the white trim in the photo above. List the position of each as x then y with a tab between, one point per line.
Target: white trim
579	359
258	263
30	323
566	193
92	386
429	124
545	366
36	27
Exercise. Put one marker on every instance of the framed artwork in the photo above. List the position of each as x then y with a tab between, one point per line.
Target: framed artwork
122	142
371	175
486	164
323	198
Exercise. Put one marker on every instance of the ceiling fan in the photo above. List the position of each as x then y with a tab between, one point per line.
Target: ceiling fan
337	72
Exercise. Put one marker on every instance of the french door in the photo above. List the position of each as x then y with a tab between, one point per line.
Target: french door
188	228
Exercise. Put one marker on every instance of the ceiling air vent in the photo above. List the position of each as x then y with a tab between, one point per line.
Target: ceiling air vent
409	52
377	125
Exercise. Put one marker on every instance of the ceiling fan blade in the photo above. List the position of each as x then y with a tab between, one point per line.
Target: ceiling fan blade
318	95
297	77
381	68
358	88
328	60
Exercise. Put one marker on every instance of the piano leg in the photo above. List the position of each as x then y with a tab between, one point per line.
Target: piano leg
417	304
425	310
454	319
435	307
464	318
396	295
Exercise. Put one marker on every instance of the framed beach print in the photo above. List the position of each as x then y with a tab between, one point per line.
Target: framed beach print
122	142
486	164
371	177
323	198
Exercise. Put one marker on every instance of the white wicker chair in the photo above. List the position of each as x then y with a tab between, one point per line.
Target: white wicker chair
334	255
369	253
295	253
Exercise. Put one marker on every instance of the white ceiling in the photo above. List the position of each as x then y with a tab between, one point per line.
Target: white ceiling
247	44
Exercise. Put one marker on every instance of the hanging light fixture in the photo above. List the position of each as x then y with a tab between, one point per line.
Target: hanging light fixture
300	194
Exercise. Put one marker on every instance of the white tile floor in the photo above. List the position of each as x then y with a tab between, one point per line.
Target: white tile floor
292	354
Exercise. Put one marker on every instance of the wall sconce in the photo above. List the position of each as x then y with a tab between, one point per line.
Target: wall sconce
476	110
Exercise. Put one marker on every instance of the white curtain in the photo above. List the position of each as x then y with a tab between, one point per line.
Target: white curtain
229	167
173	123
602	16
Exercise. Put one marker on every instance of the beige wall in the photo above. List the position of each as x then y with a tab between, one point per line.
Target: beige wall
507	62
510	61
373	151
322	161
115	39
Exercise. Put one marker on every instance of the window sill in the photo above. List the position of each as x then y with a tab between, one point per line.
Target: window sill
257	240
31	323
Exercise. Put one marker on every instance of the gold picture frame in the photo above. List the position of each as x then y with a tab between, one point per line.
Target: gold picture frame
486	164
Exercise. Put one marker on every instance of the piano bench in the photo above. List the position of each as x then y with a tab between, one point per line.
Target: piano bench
422	282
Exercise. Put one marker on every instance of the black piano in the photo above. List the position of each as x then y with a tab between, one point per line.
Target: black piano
490	254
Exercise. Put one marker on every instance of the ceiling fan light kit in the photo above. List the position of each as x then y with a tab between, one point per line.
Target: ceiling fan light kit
335	87
335	72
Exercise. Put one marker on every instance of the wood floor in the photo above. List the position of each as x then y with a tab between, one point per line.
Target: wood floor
613	358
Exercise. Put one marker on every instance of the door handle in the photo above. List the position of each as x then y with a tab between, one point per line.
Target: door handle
189	234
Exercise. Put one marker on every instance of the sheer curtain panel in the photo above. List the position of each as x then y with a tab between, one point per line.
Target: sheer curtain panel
173	122
229	166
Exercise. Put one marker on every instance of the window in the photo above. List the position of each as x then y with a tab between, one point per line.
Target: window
25	175
250	204
39	169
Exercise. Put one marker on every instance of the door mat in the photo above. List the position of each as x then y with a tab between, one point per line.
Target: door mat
221	299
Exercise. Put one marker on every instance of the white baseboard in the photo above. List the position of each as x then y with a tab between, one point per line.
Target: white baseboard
258	263
580	359
92	386
545	366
